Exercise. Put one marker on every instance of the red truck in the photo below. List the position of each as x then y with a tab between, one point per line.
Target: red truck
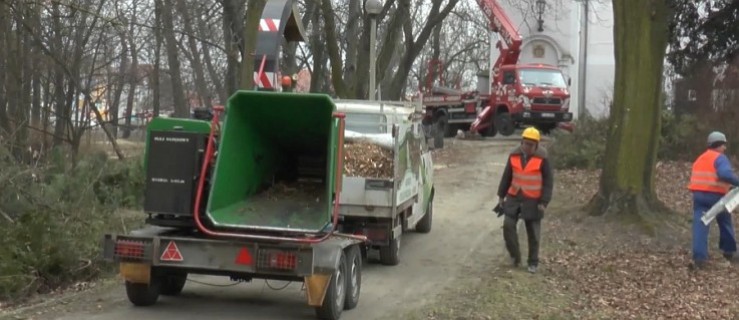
517	95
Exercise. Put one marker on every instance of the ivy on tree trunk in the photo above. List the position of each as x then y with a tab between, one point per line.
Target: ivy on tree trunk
640	38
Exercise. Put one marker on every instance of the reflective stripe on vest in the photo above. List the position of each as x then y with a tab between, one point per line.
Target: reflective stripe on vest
528	179
704	176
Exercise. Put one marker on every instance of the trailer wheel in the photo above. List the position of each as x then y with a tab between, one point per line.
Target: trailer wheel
172	284
142	294
424	225
333	302
353	277
389	255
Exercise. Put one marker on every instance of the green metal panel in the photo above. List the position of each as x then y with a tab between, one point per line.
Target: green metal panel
172	124
265	139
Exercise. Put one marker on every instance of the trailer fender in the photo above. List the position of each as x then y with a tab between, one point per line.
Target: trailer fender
326	259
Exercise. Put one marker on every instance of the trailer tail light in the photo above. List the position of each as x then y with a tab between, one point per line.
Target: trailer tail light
130	249
279	260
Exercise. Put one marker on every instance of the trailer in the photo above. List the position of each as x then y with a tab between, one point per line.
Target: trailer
385	203
251	194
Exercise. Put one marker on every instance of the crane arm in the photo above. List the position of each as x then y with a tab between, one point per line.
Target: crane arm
501	23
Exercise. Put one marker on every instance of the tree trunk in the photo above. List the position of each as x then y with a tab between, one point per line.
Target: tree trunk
626	184
352	43
156	87
317	48
178	94
215	78
37	70
251	29
119	84
133	78
413	47
333	50
197	65
233	28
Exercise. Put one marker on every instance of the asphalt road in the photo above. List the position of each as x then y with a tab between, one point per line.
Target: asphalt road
462	221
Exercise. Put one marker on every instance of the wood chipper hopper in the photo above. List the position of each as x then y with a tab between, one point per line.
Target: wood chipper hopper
276	166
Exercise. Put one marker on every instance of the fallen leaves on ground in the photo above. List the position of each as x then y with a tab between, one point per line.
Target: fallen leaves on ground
364	159
649	284
671	180
628	275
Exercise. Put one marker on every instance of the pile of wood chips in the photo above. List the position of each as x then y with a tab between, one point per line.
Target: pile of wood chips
364	159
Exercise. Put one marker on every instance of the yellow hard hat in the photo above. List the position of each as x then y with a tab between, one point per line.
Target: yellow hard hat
532	134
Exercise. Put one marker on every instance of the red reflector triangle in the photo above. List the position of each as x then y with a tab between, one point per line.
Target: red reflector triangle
171	253
244	257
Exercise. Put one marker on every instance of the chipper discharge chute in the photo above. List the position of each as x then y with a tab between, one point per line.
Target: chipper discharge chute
276	167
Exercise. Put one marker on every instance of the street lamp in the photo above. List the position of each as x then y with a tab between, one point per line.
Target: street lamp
373	8
540	6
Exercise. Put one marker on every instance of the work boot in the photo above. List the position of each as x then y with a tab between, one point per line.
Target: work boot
515	262
698	265
731	258
532	269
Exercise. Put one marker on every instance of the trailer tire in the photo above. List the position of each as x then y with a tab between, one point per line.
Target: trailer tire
389	255
354	277
335	299
172	284
424	225
142	294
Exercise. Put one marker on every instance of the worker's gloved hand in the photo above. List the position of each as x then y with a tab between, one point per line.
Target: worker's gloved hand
499	207
542	208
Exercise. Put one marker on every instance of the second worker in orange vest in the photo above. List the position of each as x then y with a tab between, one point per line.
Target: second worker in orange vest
524	192
710	180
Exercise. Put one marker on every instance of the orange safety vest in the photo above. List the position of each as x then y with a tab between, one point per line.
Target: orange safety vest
527	179
704	176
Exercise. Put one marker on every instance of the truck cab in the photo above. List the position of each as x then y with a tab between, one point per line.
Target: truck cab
532	94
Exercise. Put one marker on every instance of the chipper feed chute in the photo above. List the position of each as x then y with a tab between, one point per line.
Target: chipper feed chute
729	202
276	163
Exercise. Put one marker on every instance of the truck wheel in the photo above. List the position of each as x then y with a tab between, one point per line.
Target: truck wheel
172	284
353	277
142	294
424	225
389	254
490	131
333	302
441	127
504	123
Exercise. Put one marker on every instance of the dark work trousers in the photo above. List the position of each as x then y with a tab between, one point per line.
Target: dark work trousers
510	235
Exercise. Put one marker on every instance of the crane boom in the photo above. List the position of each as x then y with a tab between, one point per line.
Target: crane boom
512	95
501	23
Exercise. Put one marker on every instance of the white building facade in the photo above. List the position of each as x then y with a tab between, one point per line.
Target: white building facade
588	61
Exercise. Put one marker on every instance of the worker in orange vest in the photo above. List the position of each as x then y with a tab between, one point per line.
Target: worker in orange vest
711	178
524	192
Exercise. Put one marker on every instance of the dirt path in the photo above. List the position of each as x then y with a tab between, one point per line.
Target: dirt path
463	221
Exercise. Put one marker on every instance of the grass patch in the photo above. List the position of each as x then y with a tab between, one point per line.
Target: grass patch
54	213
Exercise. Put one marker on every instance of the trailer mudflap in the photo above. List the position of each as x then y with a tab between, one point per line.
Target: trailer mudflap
135	272
316	286
327	256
